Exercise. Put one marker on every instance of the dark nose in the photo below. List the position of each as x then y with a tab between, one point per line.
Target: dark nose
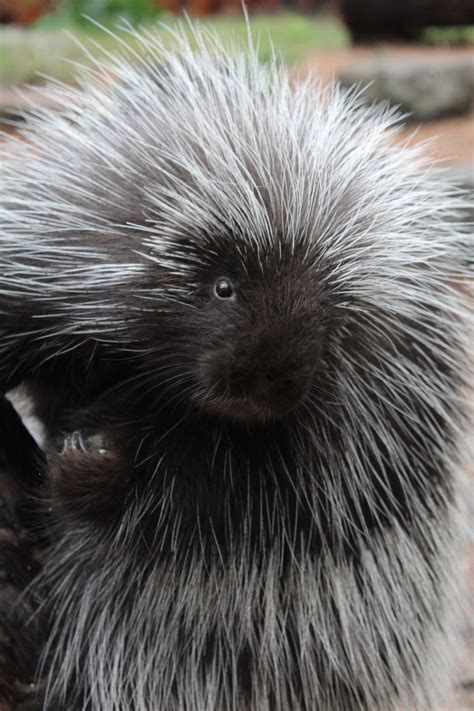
264	384
279	386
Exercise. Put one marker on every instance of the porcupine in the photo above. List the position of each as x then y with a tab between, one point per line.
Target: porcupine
251	294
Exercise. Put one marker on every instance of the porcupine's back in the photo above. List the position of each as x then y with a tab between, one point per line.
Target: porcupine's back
145	174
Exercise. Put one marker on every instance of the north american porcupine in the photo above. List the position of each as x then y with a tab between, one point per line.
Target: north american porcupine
253	296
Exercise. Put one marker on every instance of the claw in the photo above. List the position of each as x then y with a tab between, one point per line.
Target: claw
76	442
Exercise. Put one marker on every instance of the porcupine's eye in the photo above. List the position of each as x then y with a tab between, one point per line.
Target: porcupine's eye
223	288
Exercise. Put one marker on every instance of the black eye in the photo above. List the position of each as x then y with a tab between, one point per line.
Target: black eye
223	289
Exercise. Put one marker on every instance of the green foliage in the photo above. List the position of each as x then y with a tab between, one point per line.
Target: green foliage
293	35
451	36
104	11
46	48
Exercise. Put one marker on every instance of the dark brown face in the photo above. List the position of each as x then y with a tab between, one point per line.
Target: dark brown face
262	367
233	332
259	338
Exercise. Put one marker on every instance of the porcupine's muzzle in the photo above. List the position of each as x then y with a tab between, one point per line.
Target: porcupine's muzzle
274	389
263	378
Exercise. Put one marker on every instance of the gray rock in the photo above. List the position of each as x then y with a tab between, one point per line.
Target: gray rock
427	88
463	177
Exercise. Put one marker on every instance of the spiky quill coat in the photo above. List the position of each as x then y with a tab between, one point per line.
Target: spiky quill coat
216	550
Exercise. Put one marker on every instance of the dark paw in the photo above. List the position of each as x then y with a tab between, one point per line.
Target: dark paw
89	477
77	442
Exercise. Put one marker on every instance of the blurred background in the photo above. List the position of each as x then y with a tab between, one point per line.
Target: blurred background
416	54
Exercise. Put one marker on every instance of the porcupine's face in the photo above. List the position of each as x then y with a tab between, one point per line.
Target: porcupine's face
250	347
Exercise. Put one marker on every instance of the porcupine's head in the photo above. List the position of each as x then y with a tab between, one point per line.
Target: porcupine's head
235	308
292	251
256	330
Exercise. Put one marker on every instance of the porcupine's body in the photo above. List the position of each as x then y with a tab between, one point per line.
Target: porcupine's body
253	296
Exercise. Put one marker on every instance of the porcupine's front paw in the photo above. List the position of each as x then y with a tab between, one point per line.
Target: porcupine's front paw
90	476
82	444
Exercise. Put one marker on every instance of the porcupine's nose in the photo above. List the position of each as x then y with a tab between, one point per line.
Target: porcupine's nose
281	388
271	370
263	384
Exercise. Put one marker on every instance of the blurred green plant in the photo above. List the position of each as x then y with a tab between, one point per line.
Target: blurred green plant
104	11
450	36
45	48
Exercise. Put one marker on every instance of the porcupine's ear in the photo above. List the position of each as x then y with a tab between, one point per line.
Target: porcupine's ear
90	477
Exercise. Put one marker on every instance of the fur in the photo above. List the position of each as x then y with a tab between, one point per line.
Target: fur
269	517
20	559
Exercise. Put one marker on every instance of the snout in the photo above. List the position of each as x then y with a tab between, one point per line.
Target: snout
263	382
276	388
